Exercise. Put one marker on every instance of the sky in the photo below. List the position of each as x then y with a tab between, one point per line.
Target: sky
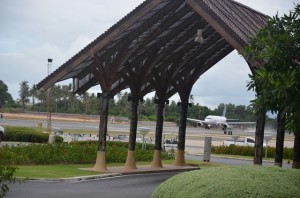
31	31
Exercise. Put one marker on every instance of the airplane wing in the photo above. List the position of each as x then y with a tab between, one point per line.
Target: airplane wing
195	120
198	122
228	125
234	119
240	123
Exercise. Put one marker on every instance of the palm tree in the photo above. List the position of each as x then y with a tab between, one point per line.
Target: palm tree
33	94
24	93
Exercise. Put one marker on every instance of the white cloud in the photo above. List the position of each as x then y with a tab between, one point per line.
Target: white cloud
33	31
225	82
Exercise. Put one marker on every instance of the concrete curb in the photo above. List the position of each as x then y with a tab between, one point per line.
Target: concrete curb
228	157
76	179
110	175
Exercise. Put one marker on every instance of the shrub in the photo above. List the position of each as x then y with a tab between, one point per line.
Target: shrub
7	171
27	134
73	153
238	181
6	177
249	151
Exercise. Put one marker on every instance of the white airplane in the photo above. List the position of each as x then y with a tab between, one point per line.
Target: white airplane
219	121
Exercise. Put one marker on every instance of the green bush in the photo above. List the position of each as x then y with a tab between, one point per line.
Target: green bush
238	181
7	171
6	177
73	153
27	134
249	151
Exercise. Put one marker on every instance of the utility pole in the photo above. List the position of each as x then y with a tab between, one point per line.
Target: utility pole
49	103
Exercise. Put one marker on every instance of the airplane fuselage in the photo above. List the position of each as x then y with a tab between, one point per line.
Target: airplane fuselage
218	121
212	120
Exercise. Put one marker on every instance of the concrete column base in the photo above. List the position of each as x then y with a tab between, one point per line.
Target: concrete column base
51	139
130	160
100	162
296	165
278	164
179	158
156	163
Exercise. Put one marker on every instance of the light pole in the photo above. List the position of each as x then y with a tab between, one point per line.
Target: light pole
235	138
49	128
267	139
144	131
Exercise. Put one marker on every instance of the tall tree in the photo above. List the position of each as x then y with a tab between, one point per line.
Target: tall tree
5	97
33	95
277	46
24	93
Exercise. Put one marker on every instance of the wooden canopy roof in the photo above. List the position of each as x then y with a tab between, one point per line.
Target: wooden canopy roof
154	48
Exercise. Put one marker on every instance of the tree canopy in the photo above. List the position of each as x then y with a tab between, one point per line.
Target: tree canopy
5	97
277	48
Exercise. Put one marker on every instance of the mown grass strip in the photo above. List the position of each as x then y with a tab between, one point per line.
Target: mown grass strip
73	170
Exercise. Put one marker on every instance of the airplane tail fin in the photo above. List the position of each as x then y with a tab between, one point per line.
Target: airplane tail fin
224	111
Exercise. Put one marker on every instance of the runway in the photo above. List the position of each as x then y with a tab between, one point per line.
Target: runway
194	136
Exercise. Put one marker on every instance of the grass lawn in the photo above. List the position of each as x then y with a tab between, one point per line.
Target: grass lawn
54	171
73	170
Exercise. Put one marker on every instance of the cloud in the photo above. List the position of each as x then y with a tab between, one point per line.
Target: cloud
225	82
33	31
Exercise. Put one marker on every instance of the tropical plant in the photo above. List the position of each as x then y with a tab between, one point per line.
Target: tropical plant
6	177
276	47
5	97
24	93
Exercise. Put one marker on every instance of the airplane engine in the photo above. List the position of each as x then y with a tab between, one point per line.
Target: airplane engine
225	126
200	124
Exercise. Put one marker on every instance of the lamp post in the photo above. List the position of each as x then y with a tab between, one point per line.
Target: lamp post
49	128
267	139
144	131
235	138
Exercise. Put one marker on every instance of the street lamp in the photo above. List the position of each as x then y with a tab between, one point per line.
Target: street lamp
144	131
49	128
235	138
267	139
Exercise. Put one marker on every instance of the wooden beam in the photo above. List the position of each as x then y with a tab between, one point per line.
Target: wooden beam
215	24
95	46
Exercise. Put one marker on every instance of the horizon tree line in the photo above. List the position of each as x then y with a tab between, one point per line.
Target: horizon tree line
63	100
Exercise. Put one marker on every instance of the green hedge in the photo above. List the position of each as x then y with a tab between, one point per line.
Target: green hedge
249	151
74	153
27	134
237	181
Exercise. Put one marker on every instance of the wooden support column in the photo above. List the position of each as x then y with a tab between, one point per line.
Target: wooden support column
130	160
180	160
100	161
158	133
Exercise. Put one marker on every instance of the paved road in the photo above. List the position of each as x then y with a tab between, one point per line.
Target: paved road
133	186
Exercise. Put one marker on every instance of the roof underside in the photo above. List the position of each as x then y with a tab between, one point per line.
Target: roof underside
155	43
